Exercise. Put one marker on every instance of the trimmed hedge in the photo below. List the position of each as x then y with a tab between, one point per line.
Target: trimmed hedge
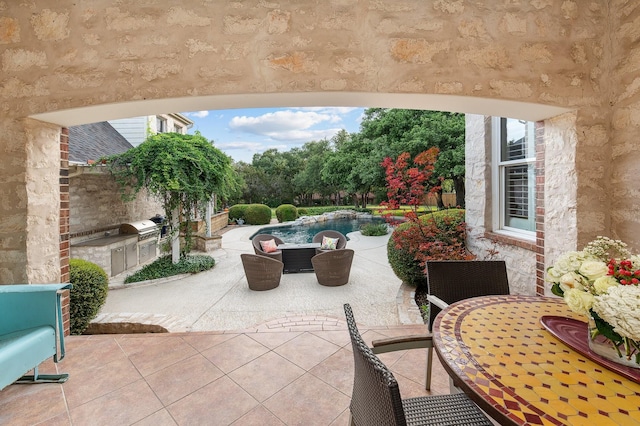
257	214
237	212
286	213
88	294
403	261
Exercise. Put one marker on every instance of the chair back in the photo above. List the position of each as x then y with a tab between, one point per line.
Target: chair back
329	233
455	280
376	398
332	267
263	273
257	248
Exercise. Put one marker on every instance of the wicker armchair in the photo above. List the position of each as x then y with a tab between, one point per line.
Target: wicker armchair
257	248
342	240
376	397
332	267
263	273
450	281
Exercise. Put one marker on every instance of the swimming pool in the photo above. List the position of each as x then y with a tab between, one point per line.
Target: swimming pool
303	233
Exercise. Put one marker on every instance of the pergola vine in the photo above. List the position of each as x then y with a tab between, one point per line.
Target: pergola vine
182	171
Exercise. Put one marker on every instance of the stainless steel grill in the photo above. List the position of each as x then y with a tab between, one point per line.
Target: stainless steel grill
145	229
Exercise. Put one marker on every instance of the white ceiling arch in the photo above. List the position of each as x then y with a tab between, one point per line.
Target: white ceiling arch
452	103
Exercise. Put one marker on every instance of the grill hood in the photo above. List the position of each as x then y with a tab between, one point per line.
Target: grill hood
143	228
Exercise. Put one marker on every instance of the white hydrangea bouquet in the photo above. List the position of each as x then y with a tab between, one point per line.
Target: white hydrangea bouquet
601	282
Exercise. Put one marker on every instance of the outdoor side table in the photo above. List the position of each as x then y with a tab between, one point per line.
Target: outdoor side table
297	257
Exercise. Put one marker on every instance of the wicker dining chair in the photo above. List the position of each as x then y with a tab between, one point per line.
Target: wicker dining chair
332	267
450	281
329	233
263	273
376	400
257	248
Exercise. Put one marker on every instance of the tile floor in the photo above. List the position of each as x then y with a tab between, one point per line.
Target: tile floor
287	376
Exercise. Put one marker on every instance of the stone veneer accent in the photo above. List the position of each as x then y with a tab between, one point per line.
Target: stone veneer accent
519	255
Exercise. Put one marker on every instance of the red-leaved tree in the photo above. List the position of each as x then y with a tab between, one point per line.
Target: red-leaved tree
427	237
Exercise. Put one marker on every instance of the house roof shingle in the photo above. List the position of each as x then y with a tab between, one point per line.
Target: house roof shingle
95	140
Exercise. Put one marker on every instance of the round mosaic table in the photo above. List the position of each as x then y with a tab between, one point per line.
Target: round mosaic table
496	350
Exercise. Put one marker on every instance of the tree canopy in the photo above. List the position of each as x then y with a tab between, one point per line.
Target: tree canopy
350	163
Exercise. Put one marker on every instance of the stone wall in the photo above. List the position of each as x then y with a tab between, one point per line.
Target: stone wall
520	260
624	139
107	51
96	206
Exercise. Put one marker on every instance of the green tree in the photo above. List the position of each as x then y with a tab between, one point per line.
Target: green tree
276	171
182	171
354	167
395	131
308	181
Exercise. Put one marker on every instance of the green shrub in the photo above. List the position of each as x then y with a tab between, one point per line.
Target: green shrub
164	267
303	212
257	214
88	294
286	213
442	237
237	212
404	265
374	229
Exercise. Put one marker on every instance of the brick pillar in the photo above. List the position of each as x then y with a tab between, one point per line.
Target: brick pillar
64	223
540	149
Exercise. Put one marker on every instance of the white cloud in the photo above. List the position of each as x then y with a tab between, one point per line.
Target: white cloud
303	135
279	122
199	114
329	110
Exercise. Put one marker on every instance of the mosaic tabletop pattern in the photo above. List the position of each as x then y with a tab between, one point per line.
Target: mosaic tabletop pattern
516	370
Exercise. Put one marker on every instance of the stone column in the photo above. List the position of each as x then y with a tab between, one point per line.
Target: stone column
29	202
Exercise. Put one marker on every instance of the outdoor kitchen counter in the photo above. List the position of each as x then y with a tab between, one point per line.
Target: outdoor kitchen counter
108	241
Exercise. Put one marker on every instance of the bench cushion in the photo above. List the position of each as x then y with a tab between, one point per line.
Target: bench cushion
23	350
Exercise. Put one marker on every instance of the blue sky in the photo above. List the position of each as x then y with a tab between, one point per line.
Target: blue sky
240	133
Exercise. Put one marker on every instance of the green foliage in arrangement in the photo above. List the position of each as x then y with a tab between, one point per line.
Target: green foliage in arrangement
440	236
303	212
374	229
163	267
257	214
237	211
286	213
88	294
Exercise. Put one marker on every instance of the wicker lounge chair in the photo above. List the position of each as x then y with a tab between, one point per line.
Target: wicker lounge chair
263	273
450	281
257	248
342	240
332	267
376	397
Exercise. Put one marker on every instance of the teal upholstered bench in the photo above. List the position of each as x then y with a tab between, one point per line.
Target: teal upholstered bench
31	331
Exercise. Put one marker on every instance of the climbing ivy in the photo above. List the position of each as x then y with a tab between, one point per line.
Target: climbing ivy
182	171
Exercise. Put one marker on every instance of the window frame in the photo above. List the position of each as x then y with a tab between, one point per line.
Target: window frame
161	124
499	195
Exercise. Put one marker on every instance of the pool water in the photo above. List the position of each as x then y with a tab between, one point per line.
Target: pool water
301	234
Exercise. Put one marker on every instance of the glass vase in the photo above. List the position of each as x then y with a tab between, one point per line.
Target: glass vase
606	349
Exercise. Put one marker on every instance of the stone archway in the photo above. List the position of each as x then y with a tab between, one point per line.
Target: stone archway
83	61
